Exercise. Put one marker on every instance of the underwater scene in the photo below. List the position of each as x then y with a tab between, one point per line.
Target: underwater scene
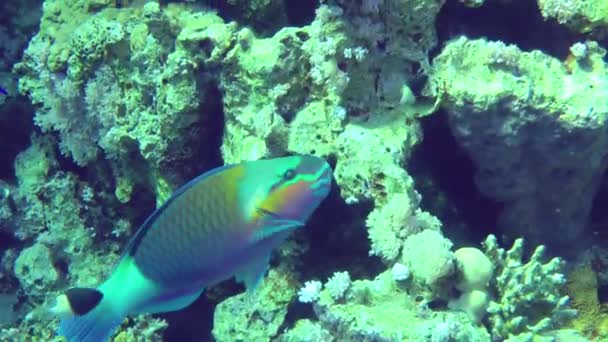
304	170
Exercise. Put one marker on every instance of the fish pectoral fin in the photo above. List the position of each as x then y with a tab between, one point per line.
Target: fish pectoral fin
253	272
273	231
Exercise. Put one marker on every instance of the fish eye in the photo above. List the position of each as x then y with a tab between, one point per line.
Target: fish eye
289	174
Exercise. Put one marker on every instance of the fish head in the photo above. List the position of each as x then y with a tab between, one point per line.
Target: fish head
290	188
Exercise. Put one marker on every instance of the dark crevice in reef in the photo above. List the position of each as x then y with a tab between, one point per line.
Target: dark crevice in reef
515	22
194	323
289	13
16	126
212	129
602	293
599	213
67	164
337	241
444	176
191	324
301	12
7	241
141	205
204	139
333	223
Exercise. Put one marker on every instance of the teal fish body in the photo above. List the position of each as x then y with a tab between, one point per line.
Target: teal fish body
223	223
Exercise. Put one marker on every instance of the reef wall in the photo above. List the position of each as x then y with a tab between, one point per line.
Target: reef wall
128	100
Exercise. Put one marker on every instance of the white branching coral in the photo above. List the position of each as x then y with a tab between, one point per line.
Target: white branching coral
310	291
338	284
528	295
390	225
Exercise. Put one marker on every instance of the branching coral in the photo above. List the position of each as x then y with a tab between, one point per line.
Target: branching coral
528	299
389	225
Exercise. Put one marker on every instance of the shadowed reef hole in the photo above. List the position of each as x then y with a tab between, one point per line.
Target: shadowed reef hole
296	13
16	126
7	241
444	176
514	22
599	214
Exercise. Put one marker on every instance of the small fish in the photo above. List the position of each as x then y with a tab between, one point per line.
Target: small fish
3	91
223	223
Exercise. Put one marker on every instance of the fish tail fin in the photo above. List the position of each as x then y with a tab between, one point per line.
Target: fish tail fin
86	316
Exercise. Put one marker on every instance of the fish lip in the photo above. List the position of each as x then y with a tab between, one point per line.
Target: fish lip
269	213
278	217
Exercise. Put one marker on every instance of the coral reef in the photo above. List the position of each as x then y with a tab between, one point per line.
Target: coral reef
19	20
122	83
305	330
134	98
579	15
539	148
389	225
428	255
475	270
255	316
382	310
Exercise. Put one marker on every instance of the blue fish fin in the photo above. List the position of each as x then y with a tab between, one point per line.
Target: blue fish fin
253	272
95	326
173	304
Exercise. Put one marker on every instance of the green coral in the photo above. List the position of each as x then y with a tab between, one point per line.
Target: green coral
130	86
35	270
382	310
53	211
256	315
389	225
305	330
428	255
579	15
529	300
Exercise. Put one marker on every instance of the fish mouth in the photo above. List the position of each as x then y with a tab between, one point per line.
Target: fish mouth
270	213
276	218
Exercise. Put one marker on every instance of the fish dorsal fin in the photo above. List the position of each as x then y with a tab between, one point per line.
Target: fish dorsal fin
252	272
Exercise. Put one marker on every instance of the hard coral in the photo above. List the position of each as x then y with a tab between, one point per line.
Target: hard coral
579	15
124	85
529	300
257	315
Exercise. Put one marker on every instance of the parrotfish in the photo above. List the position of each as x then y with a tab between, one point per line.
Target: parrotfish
223	223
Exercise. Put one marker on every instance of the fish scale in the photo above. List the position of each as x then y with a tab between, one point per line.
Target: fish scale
204	213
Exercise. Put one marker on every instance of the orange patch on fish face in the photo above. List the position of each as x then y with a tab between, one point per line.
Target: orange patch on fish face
278	198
